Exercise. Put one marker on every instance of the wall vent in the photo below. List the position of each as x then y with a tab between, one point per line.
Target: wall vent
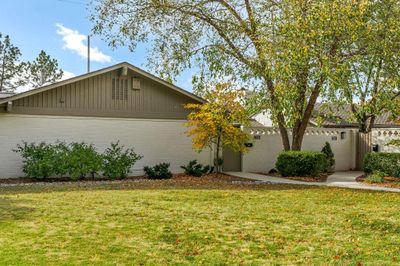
119	90
136	83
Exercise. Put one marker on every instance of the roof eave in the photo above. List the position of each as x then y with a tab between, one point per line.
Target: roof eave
99	72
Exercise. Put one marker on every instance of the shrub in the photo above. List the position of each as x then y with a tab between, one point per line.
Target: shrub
159	171
388	163
376	177
83	159
330	157
195	169
117	161
38	159
76	159
43	160
300	163
60	158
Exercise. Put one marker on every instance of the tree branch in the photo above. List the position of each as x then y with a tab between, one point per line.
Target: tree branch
209	20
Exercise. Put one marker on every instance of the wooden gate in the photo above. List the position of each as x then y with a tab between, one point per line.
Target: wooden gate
364	146
232	161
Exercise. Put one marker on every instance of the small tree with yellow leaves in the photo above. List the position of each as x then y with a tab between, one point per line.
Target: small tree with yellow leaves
214	124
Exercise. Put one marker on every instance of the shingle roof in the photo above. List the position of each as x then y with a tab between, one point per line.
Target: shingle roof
255	123
6	94
341	116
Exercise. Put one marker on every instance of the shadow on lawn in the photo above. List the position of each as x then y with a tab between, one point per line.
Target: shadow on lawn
11	210
153	185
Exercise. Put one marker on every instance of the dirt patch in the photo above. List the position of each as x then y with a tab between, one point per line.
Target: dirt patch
390	182
321	178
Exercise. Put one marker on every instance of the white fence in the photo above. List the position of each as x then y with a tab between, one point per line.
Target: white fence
267	144
381	137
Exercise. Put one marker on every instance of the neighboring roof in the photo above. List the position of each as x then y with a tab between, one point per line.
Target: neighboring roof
255	123
99	72
341	116
6	94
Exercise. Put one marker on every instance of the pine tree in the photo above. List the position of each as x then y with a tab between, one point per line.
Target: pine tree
330	157
10	66
43	70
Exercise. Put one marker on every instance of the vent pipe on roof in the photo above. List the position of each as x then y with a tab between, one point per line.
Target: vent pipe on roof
88	53
124	71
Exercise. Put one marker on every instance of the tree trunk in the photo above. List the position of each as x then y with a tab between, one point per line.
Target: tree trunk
284	133
362	126
301	125
280	117
366	123
370	124
217	159
297	141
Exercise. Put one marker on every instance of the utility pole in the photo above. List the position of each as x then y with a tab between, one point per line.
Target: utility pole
88	53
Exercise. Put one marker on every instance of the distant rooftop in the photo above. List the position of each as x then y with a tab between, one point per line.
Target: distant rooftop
6	94
341	116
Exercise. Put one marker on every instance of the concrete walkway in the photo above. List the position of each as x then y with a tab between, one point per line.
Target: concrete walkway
338	179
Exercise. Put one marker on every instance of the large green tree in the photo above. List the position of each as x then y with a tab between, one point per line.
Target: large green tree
43	70
11	67
290	51
371	84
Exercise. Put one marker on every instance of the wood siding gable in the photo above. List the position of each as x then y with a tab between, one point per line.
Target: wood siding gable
108	94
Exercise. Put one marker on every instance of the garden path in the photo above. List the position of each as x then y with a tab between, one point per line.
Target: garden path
345	179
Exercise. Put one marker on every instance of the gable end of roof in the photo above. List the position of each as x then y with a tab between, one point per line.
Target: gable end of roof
99	72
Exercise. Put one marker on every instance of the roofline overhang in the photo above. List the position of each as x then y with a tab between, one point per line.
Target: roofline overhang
99	72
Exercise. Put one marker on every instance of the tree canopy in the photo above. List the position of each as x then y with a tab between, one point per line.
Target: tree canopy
217	123
290	51
11	68
43	70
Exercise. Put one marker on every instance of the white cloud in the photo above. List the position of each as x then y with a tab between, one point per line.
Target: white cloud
76	42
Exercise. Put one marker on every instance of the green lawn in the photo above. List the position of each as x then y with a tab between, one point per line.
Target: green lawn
267	225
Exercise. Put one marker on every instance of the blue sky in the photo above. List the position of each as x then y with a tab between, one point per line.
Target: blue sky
58	27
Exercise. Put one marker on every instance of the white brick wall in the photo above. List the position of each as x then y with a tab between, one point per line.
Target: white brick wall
157	140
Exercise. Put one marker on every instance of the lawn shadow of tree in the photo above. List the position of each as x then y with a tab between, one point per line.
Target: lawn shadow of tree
160	185
12	209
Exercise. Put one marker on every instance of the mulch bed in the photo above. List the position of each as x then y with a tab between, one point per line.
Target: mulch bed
176	178
390	182
321	178
178	181
26	180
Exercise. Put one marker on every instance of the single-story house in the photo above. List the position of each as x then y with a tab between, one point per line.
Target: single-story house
118	103
126	104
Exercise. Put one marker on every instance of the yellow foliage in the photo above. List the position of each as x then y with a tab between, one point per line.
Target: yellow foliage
217	122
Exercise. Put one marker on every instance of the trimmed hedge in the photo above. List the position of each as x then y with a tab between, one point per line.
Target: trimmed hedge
301	163
385	162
